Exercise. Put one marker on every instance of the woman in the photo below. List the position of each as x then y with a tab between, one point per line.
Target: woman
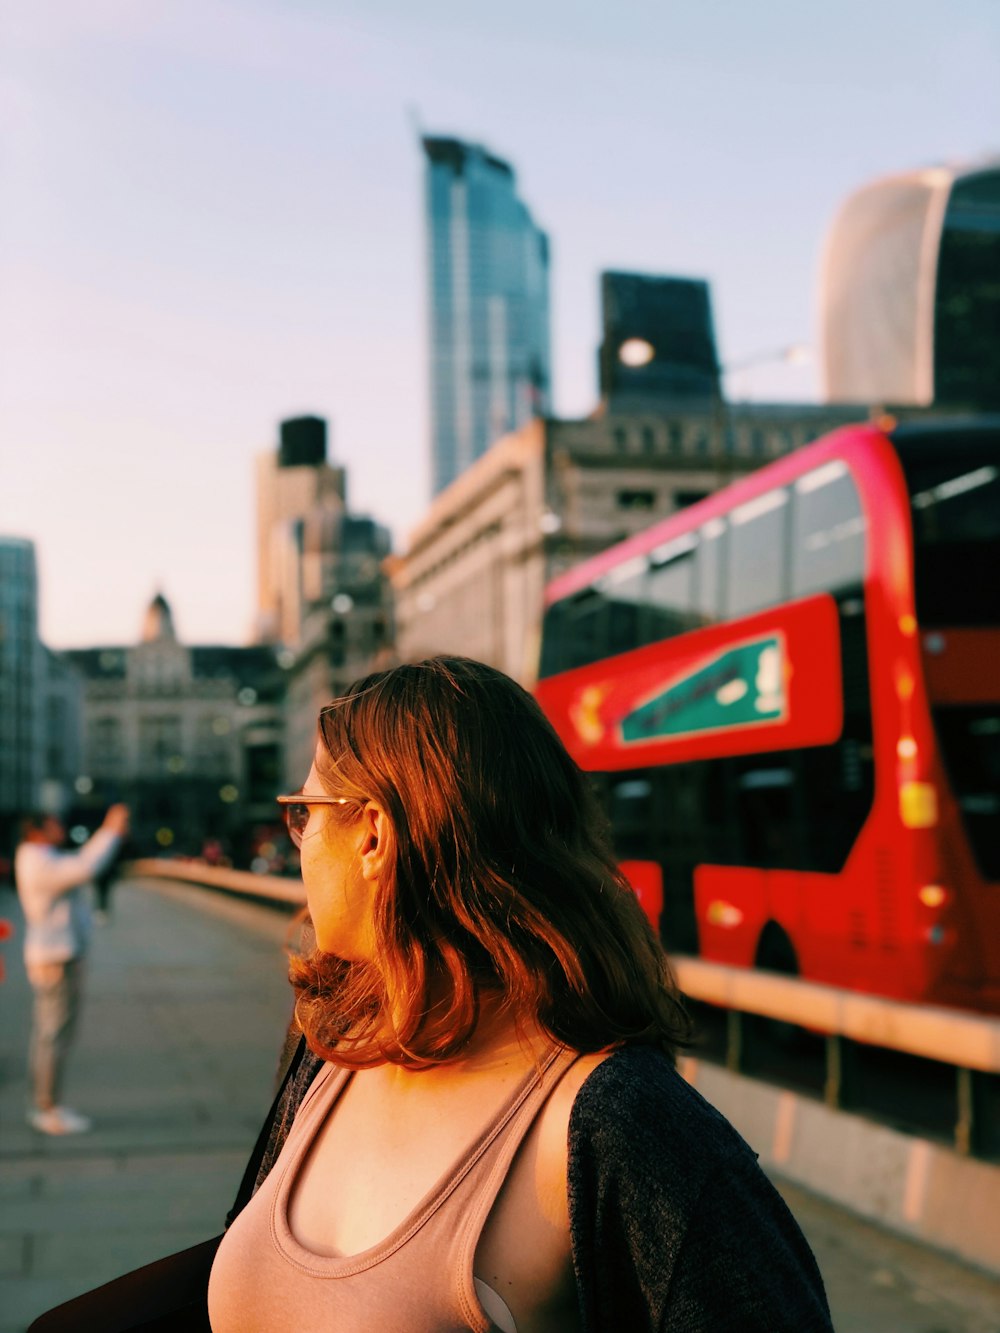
490	1134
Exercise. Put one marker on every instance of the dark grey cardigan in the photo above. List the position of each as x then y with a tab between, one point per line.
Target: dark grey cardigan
674	1226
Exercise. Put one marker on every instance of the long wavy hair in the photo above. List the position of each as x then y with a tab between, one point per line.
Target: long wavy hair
500	880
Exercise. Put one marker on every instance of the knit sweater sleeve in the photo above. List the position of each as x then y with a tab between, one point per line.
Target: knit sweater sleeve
673	1224
744	1264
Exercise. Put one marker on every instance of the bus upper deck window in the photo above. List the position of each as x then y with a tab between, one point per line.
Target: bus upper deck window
623	590
670	601
828	546
755	565
708	592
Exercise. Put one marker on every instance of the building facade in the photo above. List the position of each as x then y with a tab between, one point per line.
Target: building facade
910	292
59	730
296	487
323	599
488	266
19	661
658	345
190	737
541	500
348	629
41	702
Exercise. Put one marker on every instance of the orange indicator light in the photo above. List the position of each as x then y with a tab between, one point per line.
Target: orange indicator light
932	895
725	914
918	805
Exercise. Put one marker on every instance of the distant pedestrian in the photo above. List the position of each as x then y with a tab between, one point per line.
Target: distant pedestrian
104	881
51	886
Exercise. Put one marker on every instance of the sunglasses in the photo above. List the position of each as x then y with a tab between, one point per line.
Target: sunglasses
296	812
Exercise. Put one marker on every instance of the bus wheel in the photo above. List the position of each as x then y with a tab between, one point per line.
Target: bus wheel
776	953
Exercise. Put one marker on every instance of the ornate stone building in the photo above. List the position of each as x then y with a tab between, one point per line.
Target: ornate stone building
191	737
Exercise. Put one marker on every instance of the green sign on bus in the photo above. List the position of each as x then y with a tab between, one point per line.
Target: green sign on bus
741	687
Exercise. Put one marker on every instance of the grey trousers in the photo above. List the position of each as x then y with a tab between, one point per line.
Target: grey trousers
57	988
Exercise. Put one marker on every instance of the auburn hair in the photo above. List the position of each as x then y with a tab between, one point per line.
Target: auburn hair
500	879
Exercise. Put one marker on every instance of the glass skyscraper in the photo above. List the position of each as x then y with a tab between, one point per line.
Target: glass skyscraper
489	305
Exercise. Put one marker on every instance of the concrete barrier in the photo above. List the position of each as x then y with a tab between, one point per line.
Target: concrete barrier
269	888
908	1184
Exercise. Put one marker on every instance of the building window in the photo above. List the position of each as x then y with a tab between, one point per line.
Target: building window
159	741
620	437
639	500
105	742
682	499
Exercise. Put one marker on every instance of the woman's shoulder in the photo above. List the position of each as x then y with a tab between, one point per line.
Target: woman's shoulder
658	1178
635	1110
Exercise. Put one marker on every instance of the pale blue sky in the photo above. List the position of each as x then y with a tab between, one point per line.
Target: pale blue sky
212	218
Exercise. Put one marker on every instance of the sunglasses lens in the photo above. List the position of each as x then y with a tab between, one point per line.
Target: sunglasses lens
296	817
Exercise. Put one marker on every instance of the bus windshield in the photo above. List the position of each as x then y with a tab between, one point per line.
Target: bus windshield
954	484
970	747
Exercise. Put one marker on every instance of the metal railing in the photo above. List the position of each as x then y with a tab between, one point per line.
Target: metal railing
968	1042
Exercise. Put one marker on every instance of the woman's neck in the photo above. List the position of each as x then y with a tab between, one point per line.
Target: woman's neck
498	1045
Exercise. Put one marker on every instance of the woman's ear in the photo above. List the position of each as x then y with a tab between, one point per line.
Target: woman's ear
375	841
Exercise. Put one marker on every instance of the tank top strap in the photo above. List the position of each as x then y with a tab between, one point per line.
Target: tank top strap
331	1076
497	1166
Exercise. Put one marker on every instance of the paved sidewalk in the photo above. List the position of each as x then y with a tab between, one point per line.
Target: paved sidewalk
186	1007
184	1014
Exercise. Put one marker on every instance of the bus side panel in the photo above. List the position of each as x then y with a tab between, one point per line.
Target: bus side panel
731	908
646	879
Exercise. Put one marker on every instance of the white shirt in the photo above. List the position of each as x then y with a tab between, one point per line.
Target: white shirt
50	885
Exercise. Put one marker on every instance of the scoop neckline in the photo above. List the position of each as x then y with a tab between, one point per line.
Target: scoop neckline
329	1265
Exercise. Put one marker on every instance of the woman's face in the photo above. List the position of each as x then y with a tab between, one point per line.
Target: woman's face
340	898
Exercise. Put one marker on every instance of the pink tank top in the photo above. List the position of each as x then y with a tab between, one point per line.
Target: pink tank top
419	1279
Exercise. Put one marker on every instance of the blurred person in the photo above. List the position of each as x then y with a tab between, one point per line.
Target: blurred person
52	886
6	931
104	881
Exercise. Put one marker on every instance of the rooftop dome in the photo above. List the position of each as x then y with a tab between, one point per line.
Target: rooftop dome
158	623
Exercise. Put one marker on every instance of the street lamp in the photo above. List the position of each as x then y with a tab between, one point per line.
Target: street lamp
636	352
794	354
791	354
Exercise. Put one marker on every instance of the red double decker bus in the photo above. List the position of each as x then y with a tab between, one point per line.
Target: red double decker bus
789	698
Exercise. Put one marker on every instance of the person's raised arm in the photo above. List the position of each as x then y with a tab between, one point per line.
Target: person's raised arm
67	870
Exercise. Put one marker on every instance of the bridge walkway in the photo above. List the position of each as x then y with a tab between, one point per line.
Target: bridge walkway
185	1011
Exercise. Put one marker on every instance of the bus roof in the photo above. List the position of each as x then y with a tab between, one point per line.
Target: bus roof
838	444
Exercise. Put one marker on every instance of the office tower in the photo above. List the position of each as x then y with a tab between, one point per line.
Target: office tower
20	659
294	484
910	291
489	305
659	343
